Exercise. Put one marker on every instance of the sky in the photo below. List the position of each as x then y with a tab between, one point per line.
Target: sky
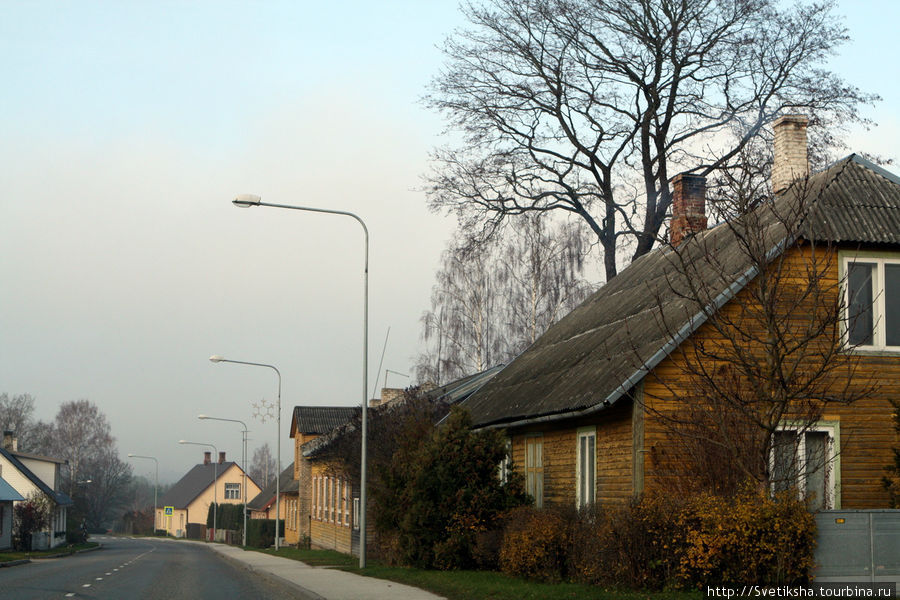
126	128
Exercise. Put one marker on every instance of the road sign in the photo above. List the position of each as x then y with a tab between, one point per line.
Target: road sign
169	510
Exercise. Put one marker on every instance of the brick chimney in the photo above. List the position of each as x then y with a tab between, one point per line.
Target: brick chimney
207	458
10	442
688	207
221	457
791	162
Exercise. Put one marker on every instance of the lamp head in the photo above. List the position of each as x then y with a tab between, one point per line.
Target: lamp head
130	455
246	200
202	417
182	441
216	358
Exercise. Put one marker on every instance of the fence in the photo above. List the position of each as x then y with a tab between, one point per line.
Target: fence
858	546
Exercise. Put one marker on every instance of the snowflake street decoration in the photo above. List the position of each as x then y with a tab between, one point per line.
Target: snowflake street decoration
263	410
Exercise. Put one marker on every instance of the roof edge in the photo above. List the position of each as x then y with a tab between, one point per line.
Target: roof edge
680	336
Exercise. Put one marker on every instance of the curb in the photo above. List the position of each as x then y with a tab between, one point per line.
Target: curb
15	563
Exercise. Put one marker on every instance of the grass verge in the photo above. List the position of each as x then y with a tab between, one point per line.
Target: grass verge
8	556
470	585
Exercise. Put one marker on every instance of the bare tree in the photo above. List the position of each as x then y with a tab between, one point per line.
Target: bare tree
17	415
262	467
752	384
95	477
492	300
108	490
590	106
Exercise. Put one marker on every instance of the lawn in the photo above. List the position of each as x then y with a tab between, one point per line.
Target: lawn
9	555
468	585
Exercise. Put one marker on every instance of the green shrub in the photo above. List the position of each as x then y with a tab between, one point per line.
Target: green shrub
261	532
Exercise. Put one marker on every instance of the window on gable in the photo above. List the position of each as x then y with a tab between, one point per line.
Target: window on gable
534	469
586	467
873	302
805	460
232	491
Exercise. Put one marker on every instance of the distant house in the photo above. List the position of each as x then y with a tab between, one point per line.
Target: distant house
8	495
30	474
187	502
263	505
334	500
307	424
585	405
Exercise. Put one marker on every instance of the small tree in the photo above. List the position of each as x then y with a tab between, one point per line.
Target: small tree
30	517
451	491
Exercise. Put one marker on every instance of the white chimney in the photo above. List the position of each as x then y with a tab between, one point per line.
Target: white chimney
791	162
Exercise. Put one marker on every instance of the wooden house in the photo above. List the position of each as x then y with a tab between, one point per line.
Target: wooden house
590	406
334	499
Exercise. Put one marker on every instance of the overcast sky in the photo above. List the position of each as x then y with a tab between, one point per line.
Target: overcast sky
125	130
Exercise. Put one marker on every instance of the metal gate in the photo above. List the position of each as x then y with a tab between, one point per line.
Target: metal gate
858	546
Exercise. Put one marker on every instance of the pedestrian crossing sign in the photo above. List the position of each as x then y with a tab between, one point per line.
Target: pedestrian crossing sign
169	510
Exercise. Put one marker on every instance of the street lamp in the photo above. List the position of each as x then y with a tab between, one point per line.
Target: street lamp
215	480
248	200
217	359
155	486
243	465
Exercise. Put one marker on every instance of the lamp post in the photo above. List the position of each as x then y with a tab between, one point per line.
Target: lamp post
155	485
217	359
248	200
243	466
215	480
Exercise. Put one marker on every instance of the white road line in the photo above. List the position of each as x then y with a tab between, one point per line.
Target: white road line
70	594
86	585
99	579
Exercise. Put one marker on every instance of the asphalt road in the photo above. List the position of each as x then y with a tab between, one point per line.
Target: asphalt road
140	569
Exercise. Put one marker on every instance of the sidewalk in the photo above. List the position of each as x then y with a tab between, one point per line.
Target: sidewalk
321	582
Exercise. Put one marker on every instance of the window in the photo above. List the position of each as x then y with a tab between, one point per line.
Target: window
356	513
534	469
806	460
232	491
346	504
505	464
873	302
586	467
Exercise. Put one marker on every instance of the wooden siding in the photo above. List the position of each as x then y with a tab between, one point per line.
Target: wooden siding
329	529
613	456
866	427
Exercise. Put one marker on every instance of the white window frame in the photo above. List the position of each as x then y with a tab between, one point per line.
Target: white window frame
879	305
356	513
586	433
505	464
832	459
346	504
235	489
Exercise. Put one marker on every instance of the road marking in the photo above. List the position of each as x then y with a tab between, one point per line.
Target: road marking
109	573
99	579
86	585
70	594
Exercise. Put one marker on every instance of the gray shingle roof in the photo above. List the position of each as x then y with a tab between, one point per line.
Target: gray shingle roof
58	497
287	484
320	419
193	483
599	351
